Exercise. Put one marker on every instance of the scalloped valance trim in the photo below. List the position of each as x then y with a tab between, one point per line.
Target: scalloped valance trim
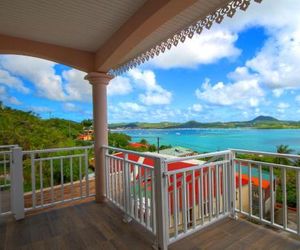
207	22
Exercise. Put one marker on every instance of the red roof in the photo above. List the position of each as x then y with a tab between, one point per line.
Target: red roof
137	145
182	165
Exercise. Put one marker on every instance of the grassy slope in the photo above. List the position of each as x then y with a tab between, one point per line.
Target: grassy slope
31	132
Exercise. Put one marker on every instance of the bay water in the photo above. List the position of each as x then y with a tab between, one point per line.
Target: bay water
209	140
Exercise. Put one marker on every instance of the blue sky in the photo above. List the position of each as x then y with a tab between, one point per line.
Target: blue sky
245	67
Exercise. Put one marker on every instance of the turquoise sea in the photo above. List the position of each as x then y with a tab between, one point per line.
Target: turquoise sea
208	140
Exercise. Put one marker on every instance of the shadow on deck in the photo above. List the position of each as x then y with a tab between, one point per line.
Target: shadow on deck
94	226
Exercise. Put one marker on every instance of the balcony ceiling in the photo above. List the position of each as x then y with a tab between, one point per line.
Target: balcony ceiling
95	35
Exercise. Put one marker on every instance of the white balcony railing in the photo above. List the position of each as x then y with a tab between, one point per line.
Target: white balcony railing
170	197
57	176
49	177
196	191
5	180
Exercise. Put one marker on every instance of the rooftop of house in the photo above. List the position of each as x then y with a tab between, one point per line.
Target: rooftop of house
189	163
137	145
177	151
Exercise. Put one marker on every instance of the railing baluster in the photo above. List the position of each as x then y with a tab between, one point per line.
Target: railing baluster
201	196
227	187
41	184
4	169
250	189
71	177
134	193
87	184
233	184
194	199
175	211
80	175
206	193
146	197
126	192
188	201
62	179
210	192
113	161
33	181
184	201
153	211
118	182
111	169
240	187
224	188
298	200
121	184
217	191
51	179
180	191
284	198
107	174
272	193
140	194
260	193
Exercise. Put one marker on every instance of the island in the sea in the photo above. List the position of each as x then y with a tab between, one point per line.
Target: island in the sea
260	122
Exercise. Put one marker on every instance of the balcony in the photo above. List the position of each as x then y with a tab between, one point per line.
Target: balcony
93	226
166	202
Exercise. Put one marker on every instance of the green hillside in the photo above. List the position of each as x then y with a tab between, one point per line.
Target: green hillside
31	132
260	122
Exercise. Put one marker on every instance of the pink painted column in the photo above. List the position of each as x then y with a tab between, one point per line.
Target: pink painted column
99	82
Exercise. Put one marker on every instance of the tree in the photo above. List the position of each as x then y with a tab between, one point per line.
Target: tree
152	148
283	149
87	123
144	141
165	147
118	140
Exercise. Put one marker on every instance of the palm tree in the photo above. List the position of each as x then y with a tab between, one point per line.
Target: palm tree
283	149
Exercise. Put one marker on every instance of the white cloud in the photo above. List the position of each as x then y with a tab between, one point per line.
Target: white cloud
6	98
40	72
240	94
40	109
156	98
197	108
154	93
276	64
120	85
12	82
282	106
76	88
69	86
145	79
277	92
71	107
207	48
242	74
13	100
131	106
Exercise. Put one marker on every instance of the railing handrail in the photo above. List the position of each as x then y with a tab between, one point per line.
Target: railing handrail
134	152
195	157
5	152
197	167
265	153
53	150
8	146
269	164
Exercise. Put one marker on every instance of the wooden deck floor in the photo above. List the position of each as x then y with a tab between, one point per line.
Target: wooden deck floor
93	226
